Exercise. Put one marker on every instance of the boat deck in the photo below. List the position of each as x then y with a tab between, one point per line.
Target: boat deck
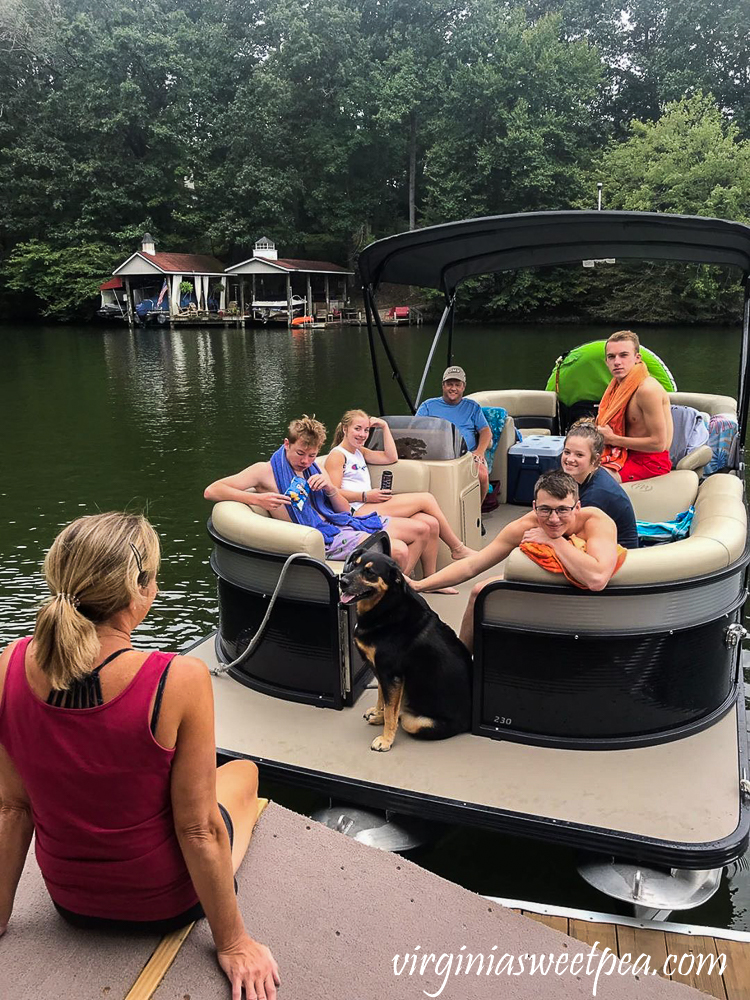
335	913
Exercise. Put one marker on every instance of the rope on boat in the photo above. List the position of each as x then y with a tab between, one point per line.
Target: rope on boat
254	642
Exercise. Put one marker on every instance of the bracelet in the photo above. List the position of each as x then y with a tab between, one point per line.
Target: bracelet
330	494
364	496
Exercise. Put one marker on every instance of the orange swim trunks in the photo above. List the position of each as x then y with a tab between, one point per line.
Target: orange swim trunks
645	465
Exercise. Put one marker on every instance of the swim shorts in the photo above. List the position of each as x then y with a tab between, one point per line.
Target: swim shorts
645	465
347	540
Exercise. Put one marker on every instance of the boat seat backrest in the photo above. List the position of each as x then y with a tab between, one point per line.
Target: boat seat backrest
717	539
409	476
706	402
663	497
519	402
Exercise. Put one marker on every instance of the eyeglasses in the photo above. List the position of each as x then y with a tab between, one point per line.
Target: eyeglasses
547	512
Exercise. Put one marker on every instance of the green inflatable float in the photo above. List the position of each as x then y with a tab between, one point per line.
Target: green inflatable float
580	377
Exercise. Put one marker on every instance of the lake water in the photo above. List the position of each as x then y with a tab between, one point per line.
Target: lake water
100	418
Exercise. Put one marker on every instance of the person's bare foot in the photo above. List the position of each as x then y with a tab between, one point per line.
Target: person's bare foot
445	590
462	552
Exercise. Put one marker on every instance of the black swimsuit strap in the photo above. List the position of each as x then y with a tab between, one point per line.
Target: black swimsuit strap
117	652
86	693
157	700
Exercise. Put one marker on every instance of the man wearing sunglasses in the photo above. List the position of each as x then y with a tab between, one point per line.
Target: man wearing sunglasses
557	514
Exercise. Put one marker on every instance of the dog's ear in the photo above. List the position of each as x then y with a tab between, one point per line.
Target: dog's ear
351	562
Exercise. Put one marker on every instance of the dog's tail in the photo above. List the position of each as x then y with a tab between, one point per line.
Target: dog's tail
423	727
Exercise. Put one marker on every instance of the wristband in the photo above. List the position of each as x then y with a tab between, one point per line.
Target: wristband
364	496
333	494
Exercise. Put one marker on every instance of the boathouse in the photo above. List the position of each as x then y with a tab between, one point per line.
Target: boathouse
283	287
154	286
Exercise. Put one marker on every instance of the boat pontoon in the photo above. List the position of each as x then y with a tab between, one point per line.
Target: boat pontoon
612	721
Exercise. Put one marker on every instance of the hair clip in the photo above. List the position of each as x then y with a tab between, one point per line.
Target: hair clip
142	575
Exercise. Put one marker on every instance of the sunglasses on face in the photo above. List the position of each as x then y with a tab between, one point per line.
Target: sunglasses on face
546	512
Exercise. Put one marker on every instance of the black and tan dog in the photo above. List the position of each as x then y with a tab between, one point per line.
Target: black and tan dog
423	670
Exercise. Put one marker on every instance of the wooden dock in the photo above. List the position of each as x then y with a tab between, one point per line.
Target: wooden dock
733	984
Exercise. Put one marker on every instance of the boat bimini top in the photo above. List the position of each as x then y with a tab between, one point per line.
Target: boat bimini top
441	257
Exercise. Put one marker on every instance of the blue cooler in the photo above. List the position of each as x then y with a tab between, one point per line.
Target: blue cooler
527	460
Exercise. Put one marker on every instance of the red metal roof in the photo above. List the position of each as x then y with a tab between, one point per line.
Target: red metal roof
306	265
112	283
185	263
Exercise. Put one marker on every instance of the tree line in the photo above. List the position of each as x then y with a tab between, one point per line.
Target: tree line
328	123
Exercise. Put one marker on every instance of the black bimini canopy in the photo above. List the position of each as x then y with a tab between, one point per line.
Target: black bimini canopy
443	256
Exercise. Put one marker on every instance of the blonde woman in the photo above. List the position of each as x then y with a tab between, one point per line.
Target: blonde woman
347	469
107	754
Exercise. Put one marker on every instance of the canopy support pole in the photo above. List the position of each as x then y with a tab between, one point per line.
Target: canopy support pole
395	373
743	390
447	313
449	362
373	356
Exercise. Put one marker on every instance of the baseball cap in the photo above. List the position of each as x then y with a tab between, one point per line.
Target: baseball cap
454	371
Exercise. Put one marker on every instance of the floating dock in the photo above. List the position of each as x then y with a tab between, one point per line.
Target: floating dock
348	921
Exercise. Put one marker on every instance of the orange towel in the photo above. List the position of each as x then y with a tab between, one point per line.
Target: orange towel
545	556
612	408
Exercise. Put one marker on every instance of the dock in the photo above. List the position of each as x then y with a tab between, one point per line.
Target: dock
348	921
629	936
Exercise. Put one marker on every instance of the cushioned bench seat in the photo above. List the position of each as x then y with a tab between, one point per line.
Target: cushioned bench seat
717	539
453	483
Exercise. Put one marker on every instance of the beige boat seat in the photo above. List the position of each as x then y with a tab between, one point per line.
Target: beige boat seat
663	497
706	402
453	483
717	539
523	405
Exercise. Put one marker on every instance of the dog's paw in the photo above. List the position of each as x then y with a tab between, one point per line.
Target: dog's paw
374	716
381	744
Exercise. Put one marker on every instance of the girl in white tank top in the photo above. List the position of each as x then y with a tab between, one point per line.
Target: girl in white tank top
356	474
414	518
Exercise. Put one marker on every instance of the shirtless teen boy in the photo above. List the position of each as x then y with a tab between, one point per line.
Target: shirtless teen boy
634	417
557	515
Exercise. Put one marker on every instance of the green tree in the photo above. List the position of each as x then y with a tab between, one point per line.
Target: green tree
518	120
657	51
691	161
66	281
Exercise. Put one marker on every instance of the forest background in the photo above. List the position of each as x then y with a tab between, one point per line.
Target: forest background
324	124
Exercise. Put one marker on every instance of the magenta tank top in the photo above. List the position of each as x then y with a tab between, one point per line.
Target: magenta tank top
98	783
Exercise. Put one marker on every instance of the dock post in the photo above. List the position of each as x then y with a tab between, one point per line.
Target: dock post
309	298
129	300
289	300
328	300
242	301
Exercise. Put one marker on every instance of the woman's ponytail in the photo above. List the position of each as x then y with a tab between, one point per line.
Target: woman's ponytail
94	569
66	645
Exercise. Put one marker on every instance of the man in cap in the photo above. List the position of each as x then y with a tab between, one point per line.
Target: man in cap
466	414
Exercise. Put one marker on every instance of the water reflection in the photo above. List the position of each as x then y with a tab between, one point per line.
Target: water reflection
102	418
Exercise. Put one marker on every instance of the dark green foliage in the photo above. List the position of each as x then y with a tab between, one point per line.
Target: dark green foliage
328	123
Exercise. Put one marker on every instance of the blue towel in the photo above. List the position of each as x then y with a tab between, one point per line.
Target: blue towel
654	532
318	512
496	417
722	430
